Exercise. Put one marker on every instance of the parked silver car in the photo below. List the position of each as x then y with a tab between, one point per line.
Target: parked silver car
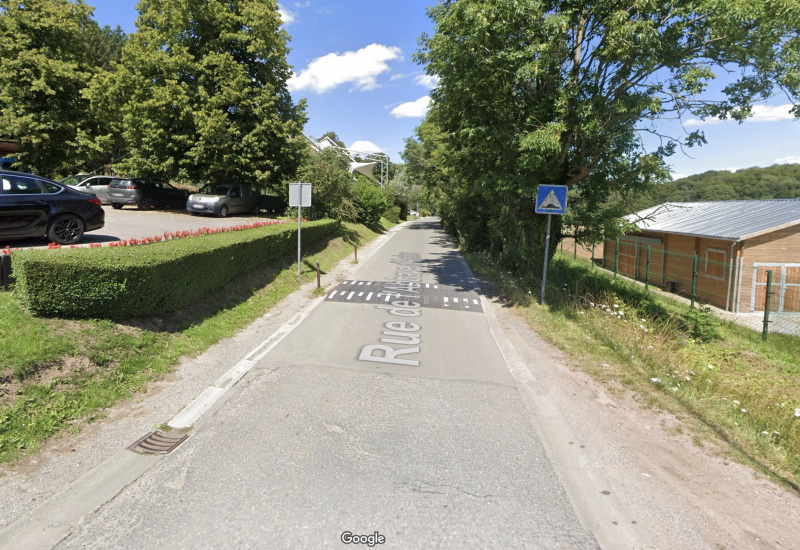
224	198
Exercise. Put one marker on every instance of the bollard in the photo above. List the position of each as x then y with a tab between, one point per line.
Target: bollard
318	274
356	251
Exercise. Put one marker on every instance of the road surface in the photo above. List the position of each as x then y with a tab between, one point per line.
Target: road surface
388	416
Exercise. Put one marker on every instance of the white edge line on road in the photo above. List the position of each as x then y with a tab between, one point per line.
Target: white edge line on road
202	403
54	519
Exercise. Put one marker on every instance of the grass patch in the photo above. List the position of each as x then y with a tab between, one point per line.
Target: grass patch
55	374
738	388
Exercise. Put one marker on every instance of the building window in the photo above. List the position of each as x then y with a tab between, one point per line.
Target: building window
715	263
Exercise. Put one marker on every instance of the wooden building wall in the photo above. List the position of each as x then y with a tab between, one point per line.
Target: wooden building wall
732	286
781	250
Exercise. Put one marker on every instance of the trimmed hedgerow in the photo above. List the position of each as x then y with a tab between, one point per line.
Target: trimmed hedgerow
125	282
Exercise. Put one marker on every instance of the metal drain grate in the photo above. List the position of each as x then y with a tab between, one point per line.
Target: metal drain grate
158	443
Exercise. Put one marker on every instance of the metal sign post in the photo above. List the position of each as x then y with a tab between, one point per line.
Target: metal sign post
299	196
550	199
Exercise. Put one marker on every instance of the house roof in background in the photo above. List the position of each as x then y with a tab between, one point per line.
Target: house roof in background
727	220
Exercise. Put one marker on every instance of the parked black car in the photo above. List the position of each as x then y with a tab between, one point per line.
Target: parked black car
33	206
145	193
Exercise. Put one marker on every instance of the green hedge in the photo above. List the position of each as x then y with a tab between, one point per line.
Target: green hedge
125	282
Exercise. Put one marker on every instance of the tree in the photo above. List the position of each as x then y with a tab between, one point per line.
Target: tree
332	186
560	92
50	50
203	92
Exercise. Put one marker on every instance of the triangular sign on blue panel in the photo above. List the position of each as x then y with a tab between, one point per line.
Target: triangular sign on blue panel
551	199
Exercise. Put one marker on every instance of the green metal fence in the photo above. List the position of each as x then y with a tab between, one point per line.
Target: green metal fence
743	293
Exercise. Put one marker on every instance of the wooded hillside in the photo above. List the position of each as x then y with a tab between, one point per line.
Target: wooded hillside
781	181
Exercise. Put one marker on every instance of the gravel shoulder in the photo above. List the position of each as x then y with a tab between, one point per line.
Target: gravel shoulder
680	492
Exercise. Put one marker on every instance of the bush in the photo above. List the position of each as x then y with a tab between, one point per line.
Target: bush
370	201
124	282
392	214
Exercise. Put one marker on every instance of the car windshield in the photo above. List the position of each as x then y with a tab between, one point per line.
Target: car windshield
215	189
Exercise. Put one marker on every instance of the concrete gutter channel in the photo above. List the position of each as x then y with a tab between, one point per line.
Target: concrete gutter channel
36	516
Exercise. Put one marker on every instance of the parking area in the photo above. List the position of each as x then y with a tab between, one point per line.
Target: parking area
130	223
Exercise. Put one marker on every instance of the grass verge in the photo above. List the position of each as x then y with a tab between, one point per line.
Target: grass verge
56	375
720	376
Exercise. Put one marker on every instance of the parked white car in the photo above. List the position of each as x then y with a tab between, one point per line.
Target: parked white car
225	198
96	185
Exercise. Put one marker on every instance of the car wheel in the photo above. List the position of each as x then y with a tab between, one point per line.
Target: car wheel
223	211
116	206
67	229
145	203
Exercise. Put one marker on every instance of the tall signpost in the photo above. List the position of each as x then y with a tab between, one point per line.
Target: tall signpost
299	196
550	199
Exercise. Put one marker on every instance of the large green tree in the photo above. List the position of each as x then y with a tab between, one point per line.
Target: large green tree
50	50
559	92
202	89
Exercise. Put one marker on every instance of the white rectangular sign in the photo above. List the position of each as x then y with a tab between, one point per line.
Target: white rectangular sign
300	194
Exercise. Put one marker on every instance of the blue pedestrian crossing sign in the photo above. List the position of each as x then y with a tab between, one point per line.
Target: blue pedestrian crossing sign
551	199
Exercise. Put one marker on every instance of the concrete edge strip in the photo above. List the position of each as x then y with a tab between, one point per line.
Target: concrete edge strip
604	515
52	521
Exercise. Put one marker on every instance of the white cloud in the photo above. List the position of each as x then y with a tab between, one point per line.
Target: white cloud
788	160
287	16
365	147
771	113
427	80
761	113
412	109
360	68
698	122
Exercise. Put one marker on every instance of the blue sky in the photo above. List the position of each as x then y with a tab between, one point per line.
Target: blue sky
353	63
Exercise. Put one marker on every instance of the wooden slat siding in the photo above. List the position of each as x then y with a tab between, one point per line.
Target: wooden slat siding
656	259
608	254
713	291
627	258
679	261
779	247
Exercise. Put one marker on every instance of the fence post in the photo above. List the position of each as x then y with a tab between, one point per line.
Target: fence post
647	271
575	253
616	258
593	256
766	306
694	279
6	277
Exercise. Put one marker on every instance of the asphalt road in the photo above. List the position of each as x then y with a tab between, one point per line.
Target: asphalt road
395	417
130	223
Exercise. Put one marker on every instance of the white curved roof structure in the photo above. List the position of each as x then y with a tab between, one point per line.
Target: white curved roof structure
373	159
